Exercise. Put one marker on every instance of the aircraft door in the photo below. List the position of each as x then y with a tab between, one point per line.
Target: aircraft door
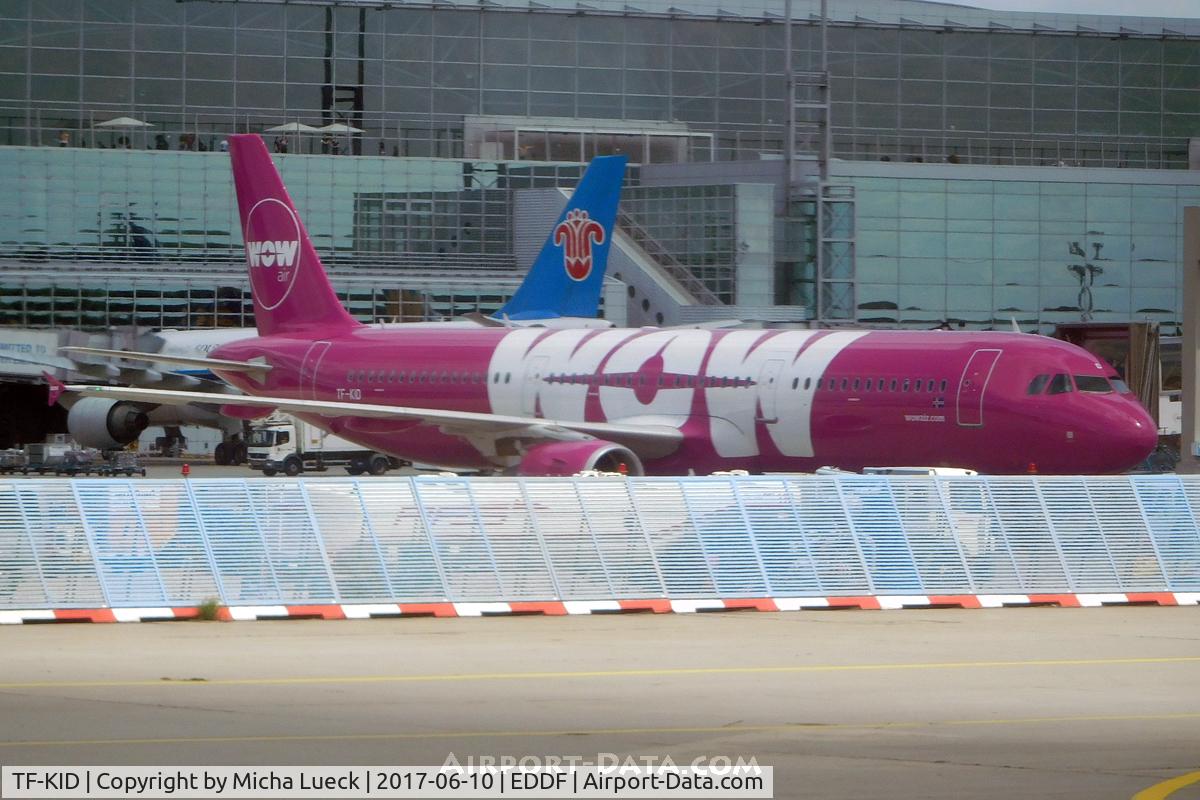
309	369
533	385
972	385
768	390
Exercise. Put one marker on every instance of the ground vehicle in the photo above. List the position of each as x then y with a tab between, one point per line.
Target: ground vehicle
282	443
48	456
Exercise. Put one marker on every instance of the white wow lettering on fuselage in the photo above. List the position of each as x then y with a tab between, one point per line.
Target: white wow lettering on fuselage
272	254
750	378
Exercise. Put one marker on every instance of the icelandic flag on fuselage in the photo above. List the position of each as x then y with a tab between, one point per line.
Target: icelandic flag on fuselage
566	278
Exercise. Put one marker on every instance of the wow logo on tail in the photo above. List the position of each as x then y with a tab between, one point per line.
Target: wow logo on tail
272	251
576	234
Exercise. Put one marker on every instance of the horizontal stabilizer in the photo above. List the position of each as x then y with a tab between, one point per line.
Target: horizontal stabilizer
216	364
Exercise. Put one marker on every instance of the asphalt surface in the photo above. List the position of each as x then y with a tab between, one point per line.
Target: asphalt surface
1007	703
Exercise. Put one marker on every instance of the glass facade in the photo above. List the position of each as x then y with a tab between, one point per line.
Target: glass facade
1032	89
985	249
694	226
450	107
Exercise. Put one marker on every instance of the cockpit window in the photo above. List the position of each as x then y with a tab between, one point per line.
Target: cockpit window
1038	384
1060	384
1092	383
1120	386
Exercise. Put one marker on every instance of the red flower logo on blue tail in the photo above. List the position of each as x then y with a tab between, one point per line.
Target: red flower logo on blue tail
576	234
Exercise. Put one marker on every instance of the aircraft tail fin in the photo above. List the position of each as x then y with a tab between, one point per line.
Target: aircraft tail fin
566	278
291	290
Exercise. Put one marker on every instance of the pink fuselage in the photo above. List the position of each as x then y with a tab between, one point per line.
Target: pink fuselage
744	399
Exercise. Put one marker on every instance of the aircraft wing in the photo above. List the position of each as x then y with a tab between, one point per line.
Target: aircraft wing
648	440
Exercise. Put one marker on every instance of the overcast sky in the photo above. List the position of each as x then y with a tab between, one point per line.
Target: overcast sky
1134	8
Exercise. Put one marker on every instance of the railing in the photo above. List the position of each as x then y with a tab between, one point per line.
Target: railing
1135	152
233	259
668	262
136	543
446	136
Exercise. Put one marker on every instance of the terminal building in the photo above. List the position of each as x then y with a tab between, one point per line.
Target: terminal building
912	164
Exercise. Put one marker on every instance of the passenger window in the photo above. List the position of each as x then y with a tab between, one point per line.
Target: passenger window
1093	384
856	384
943	385
1037	384
350	376
507	377
795	383
1060	384
808	383
845	383
906	383
819	382
892	386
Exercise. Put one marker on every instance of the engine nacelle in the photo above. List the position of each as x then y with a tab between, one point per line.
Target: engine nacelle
568	458
105	424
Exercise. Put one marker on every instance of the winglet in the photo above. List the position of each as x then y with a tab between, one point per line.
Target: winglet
57	388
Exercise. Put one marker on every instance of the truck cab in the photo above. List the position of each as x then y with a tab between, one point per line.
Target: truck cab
282	443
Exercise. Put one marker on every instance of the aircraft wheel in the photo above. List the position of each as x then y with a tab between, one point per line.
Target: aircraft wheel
221	455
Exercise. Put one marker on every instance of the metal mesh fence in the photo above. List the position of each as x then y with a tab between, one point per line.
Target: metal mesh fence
138	543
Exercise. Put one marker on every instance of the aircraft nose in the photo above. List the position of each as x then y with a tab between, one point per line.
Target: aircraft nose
1138	438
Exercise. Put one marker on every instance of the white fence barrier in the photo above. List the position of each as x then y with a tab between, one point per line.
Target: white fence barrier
93	543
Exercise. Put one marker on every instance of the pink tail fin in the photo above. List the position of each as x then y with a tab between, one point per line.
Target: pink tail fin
291	290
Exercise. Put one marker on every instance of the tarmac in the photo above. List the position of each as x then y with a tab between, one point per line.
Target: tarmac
1006	703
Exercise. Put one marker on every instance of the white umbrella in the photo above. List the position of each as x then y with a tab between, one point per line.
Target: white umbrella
123	122
293	127
340	127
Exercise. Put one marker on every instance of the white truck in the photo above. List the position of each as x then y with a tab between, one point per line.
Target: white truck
282	443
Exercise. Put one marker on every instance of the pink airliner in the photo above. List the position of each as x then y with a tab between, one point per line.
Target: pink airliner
650	401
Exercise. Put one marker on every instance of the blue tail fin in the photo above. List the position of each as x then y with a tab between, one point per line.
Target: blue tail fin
565	279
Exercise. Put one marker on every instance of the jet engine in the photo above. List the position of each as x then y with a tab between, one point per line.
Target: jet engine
568	458
105	424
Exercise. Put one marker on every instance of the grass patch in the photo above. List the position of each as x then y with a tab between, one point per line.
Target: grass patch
209	610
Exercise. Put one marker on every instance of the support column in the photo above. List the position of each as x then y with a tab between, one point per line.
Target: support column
1190	347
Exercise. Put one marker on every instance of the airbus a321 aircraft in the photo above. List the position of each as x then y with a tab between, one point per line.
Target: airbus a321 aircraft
651	401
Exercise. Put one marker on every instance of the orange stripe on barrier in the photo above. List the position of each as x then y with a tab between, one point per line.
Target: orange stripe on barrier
224	614
317	612
84	615
428	610
755	603
549	608
1060	600
657	606
188	613
1152	598
870	603
959	600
